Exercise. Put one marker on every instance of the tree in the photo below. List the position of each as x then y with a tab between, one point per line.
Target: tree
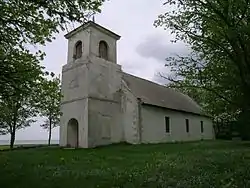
33	22
17	104
218	33
49	99
24	23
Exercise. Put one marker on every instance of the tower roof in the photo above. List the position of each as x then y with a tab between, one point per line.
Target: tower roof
95	25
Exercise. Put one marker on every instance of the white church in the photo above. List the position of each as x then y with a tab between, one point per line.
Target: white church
102	104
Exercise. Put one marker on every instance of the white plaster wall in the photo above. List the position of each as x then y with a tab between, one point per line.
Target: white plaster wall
74	81
91	78
90	38
153	126
130	117
98	79
104	88
104	79
104	122
79	111
83	36
96	37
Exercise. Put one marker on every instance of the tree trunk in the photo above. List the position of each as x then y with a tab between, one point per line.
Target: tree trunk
13	131
50	127
12	137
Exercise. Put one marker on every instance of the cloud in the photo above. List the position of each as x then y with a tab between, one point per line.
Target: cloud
155	48
159	47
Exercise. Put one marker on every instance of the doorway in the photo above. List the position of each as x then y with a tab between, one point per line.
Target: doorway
72	133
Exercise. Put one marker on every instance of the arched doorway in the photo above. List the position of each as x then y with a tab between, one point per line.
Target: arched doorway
72	136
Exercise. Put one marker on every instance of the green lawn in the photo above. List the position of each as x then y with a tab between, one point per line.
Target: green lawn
201	164
4	147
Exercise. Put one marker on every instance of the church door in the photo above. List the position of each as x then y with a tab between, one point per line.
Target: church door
72	133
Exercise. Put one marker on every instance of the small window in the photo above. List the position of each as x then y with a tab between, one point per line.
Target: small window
103	50
167	125
202	128
78	50
187	125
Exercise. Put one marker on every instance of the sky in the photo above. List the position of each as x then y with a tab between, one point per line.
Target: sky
141	50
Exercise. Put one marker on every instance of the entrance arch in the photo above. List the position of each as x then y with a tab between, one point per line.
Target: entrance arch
72	133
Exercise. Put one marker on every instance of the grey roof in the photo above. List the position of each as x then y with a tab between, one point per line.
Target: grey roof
158	95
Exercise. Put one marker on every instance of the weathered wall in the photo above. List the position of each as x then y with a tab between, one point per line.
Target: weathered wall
91	91
104	122
79	111
104	88
90	39
153	126
83	36
130	116
74	103
74	81
96	37
104	79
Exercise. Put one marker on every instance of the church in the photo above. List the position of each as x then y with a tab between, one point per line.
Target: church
102	105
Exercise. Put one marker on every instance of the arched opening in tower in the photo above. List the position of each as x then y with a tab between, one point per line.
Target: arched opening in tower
73	133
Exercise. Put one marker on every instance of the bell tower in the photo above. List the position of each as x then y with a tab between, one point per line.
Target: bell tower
91	83
96	40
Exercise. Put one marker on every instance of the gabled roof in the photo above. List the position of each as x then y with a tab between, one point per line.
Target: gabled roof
157	95
93	24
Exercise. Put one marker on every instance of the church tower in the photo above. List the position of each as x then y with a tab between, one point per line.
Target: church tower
91	85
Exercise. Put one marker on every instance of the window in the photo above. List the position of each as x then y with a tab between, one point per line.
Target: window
187	125
103	50
78	50
167	124
202	128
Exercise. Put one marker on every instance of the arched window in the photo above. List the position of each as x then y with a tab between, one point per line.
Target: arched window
103	50
78	50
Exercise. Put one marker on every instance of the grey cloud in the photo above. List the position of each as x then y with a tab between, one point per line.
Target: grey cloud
158	47
138	68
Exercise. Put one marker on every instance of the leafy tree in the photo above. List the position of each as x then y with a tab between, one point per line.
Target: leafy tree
33	22
24	23
17	104
49	97
219	67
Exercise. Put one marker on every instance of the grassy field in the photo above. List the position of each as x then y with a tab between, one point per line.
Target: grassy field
4	147
201	164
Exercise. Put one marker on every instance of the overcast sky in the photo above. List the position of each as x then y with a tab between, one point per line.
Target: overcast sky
142	48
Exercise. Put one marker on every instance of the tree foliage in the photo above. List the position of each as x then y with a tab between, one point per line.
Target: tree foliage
17	102
25	23
32	22
48	103
29	22
217	71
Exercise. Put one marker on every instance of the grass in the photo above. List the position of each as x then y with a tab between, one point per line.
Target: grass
3	147
24	146
198	164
